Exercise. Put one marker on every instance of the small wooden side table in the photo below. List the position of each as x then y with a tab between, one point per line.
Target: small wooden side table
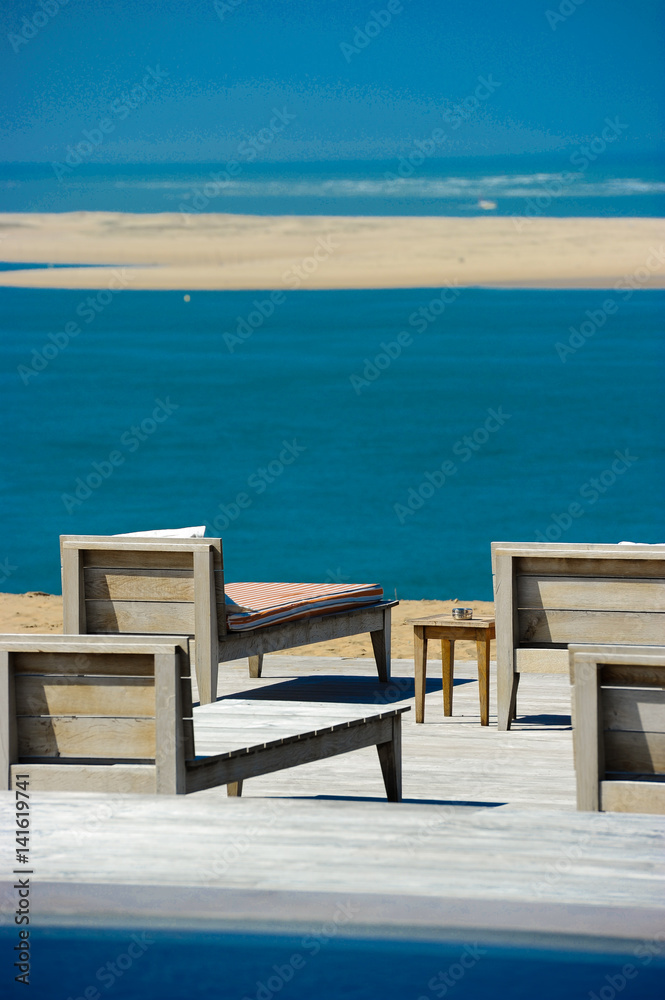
447	629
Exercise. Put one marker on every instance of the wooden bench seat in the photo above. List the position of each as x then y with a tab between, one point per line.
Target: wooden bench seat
130	585
618	698
548	595
115	714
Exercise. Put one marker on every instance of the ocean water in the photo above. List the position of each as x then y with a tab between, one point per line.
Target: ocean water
582	183
383	436
170	965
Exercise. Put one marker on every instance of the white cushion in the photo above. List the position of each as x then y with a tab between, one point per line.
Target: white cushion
166	533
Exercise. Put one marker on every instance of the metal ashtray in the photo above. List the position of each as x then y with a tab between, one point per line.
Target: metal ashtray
464	613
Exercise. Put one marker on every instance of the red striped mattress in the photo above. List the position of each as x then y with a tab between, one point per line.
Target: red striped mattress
271	603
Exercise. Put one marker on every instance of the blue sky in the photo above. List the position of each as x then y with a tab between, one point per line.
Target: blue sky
220	69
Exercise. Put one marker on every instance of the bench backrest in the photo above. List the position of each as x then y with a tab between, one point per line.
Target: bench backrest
84	702
132	586
550	595
619	726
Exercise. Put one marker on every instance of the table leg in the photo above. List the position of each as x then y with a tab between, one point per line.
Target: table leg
447	667
483	653
420	659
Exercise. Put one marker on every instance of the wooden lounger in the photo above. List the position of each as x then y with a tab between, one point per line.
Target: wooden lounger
619	727
549	595
86	713
175	586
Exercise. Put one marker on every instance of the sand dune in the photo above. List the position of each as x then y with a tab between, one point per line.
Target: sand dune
178	251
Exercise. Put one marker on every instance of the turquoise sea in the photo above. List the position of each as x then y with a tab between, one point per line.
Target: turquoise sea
382	436
372	435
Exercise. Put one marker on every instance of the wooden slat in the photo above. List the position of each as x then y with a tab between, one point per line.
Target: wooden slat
633	710
8	737
590	593
289	753
73	596
99	696
137	559
235	645
206	658
633	797
640	753
110	664
160	617
542	661
82	737
118	778
505	612
619	564
170	754
139	584
587	741
590	626
633	675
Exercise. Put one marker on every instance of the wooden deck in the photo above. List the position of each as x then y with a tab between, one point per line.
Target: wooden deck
487	839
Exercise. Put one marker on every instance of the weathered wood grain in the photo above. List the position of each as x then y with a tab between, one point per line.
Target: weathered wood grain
590	593
101	696
590	626
125	584
59	736
148	617
120	778
634	752
633	710
646	797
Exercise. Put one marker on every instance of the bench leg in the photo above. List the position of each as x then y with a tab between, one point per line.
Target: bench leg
420	660
381	647
506	696
255	665
447	668
390	757
483	654
234	789
513	703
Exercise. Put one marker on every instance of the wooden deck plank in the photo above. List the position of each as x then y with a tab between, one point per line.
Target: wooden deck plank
488	831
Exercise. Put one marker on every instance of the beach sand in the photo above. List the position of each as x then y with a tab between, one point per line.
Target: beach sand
42	613
188	252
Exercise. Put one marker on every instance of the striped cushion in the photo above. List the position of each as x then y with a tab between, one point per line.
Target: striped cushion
270	603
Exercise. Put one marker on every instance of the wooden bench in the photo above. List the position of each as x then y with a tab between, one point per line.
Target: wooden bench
175	586
84	713
550	595
618	697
